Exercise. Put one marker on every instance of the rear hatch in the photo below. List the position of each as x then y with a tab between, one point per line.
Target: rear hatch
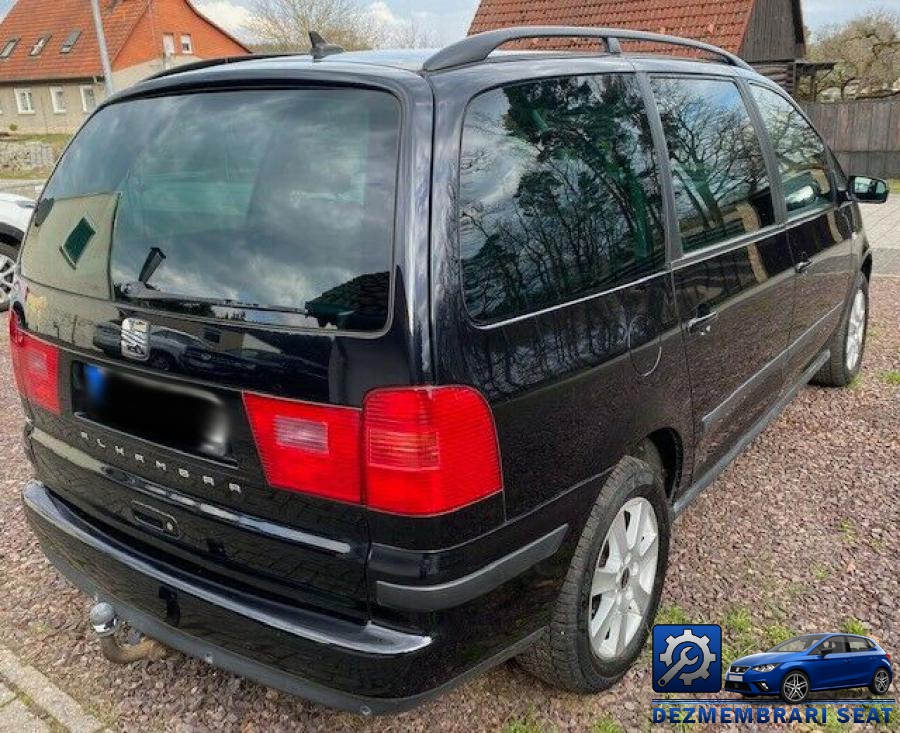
194	257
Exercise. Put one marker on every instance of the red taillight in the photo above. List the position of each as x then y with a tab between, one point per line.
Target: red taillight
428	450
35	365
416	450
306	447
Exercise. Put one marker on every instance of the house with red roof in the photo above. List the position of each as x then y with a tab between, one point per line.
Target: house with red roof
767	33
51	76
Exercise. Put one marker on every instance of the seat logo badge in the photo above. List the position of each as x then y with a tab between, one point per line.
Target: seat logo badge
136	339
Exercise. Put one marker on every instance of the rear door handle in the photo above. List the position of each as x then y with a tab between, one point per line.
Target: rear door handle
702	325
802	266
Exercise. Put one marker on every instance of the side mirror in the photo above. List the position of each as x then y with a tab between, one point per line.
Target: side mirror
869	190
823	651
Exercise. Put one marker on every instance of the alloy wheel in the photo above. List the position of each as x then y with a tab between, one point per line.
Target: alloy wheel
882	681
622	584
7	266
796	687
856	330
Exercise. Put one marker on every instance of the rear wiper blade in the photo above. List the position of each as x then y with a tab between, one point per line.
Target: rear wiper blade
139	291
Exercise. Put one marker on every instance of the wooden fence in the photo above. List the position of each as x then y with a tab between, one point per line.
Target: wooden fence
865	134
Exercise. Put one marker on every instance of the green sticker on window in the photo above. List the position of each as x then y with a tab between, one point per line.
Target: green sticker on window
77	242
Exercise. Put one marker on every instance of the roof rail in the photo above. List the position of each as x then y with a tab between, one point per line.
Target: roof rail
477	48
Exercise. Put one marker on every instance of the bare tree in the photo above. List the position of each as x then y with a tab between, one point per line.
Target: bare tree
867	55
413	33
284	25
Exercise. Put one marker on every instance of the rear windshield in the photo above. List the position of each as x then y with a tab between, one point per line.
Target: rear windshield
270	206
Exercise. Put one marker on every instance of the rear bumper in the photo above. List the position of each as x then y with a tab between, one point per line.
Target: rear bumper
364	668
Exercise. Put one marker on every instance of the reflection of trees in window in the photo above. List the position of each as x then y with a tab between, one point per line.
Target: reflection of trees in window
800	153
560	194
718	168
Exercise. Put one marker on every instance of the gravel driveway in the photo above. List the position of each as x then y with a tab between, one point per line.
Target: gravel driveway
800	534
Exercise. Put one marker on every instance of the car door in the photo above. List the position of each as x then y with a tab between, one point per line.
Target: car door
862	662
733	272
828	670
819	232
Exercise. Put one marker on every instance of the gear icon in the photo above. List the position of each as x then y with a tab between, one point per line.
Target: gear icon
702	642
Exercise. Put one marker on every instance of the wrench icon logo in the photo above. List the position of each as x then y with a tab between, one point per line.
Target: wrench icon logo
694	649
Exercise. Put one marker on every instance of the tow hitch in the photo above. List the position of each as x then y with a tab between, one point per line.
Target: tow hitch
105	623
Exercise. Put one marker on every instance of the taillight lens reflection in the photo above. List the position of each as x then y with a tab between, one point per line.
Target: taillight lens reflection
411	450
428	450
35	366
307	447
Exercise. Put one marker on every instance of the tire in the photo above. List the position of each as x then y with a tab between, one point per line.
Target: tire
794	695
7	252
836	372
881	681
564	655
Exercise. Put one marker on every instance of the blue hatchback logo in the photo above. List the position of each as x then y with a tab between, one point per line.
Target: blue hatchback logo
687	658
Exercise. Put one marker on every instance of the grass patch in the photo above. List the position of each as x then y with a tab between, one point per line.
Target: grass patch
607	724
526	724
854	626
820	572
894	183
737	620
856	382
891	377
39	174
847	528
671	615
777	633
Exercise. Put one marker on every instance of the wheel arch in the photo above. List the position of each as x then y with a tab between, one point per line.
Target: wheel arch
866	267
668	443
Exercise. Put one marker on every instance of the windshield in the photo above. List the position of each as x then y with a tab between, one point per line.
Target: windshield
274	206
798	643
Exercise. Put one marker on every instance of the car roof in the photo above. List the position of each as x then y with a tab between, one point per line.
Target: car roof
416	60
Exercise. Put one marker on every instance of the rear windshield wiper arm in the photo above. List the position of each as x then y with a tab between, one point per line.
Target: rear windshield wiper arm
136	291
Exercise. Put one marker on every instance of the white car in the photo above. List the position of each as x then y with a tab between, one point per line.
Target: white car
15	213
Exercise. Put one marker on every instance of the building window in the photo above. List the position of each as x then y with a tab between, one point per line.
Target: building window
187	43
39	45
25	101
88	99
70	41
58	100
8	48
168	44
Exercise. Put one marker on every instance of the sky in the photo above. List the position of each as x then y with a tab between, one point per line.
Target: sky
449	19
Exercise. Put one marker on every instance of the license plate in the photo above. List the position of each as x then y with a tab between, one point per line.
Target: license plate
736	678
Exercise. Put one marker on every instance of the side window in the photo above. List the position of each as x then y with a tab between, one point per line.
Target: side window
834	645
718	169
802	157
560	194
857	644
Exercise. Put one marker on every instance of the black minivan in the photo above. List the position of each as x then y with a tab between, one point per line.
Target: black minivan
358	373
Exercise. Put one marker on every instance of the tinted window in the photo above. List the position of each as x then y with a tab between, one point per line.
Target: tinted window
797	644
274	206
857	644
718	169
834	645
560	194
802	158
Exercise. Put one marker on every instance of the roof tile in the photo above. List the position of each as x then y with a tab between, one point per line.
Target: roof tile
721	23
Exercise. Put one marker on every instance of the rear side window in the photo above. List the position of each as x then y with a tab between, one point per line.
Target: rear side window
560	194
857	644
802	157
268	206
719	173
